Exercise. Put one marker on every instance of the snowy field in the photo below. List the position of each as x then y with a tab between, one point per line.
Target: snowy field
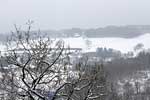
90	44
123	44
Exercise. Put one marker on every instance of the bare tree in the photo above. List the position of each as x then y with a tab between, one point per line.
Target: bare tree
35	66
90	83
38	68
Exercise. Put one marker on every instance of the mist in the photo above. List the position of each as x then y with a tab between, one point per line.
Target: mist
62	14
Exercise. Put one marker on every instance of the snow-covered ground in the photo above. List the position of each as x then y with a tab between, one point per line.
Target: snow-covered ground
123	44
142	78
90	44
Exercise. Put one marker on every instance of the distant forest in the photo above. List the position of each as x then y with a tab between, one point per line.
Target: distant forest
129	31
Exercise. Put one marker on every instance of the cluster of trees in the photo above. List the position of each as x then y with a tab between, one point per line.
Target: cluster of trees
123	67
130	91
108	53
109	31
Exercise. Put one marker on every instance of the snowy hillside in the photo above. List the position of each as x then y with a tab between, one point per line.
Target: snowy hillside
122	44
90	44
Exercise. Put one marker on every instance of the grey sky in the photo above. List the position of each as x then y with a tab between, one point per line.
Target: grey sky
59	14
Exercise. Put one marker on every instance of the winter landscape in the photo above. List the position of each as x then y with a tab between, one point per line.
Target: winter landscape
74	50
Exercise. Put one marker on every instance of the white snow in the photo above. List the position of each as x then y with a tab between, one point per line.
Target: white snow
90	44
123	44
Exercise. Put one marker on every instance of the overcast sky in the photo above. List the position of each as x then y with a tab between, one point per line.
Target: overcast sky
60	14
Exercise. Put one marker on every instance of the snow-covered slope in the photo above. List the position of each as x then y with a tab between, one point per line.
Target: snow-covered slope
122	44
90	44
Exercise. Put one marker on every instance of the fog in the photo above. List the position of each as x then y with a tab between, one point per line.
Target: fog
60	14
